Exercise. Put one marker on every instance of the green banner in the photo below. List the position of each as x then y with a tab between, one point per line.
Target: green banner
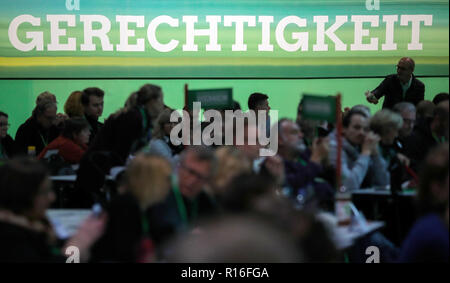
217	39
316	107
211	98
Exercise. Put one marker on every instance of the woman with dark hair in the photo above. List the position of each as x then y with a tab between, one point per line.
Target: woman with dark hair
25	233
428	240
7	145
72	143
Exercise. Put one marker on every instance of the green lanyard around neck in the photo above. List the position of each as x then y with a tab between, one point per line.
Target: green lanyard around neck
144	119
2	154
43	140
437	139
181	205
145	226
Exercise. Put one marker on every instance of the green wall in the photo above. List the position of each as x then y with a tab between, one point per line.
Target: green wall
17	97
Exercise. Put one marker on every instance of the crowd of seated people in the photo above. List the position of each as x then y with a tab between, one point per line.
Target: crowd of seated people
187	203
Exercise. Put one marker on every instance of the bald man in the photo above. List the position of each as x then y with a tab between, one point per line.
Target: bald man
400	87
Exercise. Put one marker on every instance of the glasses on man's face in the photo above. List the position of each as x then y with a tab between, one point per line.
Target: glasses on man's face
401	68
198	175
50	118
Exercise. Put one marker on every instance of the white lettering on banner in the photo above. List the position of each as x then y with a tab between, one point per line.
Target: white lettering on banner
390	20
55	45
265	41
151	33
37	37
360	32
126	33
415	23
239	36
330	32
191	32
288	32
101	33
302	37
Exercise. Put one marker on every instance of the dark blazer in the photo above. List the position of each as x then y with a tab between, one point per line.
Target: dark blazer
31	133
18	244
122	135
392	91
9	146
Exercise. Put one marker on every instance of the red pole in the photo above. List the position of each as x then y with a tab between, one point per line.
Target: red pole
339	141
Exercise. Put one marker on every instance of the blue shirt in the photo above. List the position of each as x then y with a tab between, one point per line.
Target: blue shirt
428	241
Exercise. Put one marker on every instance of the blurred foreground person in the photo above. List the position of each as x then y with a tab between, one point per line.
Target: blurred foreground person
235	239
7	145
428	240
124	133
25	232
128	234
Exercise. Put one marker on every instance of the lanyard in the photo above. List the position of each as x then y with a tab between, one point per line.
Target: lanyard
181	205
2	155
43	140
302	162
145	226
144	119
436	138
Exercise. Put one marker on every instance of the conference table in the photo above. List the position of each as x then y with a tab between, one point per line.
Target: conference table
64	184
398	210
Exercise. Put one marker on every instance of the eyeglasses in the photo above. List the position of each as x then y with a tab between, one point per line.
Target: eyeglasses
195	173
402	68
5	125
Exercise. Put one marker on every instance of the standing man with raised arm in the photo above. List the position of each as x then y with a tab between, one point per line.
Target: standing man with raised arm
399	87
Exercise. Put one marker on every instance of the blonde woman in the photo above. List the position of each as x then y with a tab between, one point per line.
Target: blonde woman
128	236
160	143
230	163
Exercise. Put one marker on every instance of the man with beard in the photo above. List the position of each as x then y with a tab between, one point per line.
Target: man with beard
302	168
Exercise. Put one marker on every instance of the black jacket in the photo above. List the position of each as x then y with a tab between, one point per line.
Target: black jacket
392	91
418	144
18	244
123	232
31	133
94	126
8	146
121	136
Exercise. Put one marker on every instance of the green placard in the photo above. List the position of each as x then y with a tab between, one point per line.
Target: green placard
211	98
321	108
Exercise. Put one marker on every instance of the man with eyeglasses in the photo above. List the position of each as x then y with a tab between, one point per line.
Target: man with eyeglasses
396	88
39	130
187	201
7	145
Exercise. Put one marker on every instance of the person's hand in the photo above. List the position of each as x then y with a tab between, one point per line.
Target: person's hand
370	144
403	159
371	97
275	166
320	149
88	233
60	118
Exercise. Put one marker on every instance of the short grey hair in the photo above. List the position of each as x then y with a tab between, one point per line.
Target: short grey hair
385	119
404	106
